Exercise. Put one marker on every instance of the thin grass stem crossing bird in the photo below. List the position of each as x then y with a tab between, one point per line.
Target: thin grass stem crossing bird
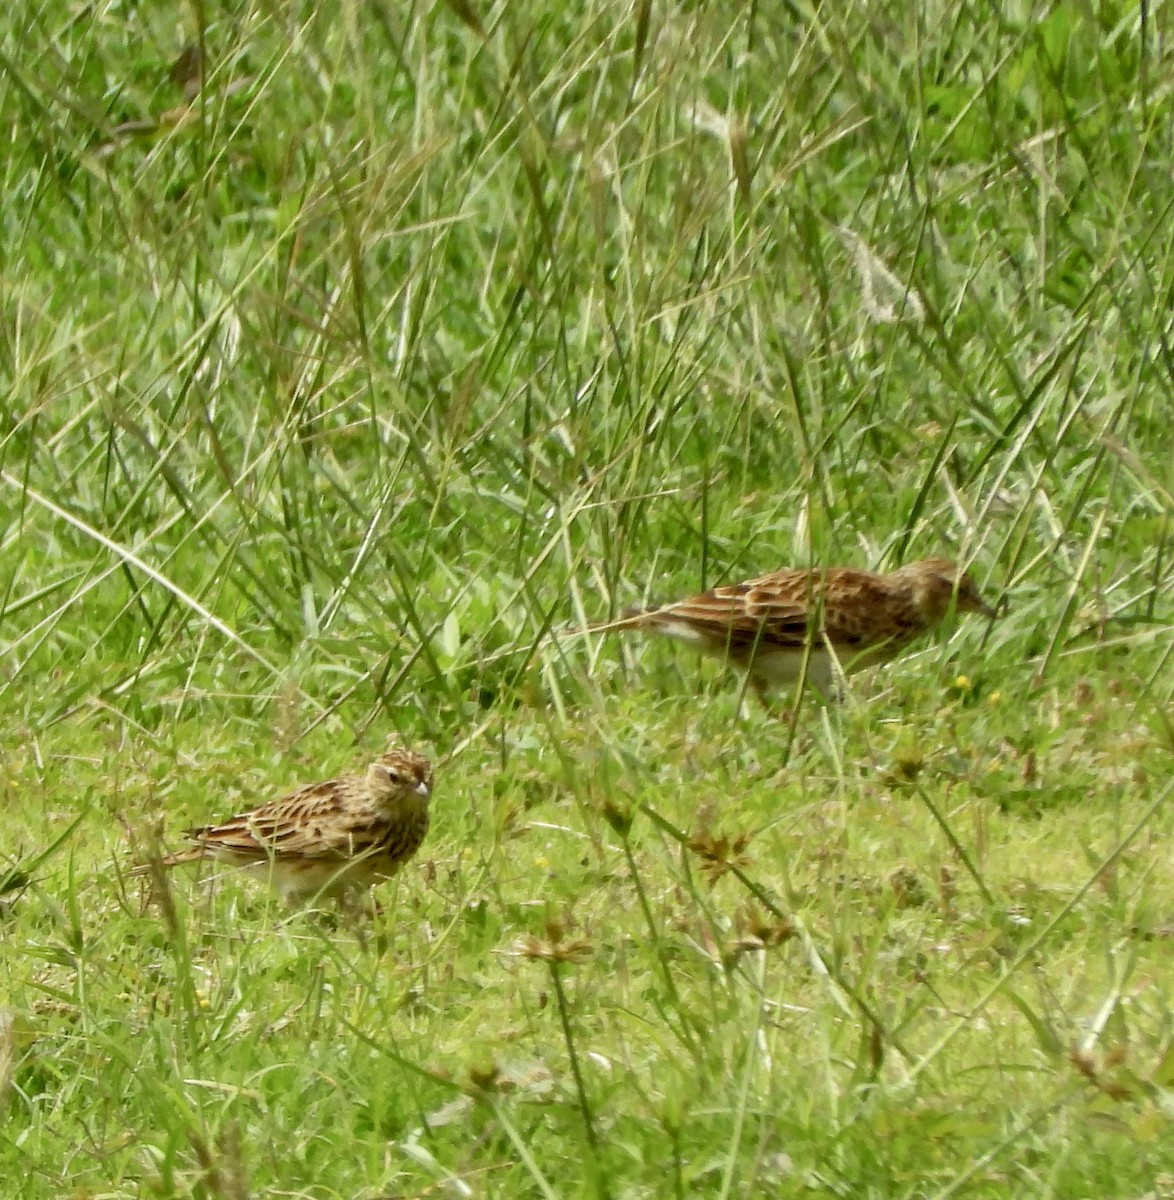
326	839
821	622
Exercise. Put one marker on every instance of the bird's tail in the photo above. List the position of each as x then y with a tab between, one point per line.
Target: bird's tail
636	618
633	618
169	860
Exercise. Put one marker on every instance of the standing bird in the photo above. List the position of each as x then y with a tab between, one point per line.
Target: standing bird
838	618
327	838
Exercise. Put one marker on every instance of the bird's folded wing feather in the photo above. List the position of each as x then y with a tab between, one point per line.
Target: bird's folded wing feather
778	610
773	610
741	615
311	823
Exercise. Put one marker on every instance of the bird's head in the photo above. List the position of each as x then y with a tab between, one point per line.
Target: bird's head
937	583
400	774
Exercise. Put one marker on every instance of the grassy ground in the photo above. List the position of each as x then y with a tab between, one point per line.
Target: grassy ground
333	390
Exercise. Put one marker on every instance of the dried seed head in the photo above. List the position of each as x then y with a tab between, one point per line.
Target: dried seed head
571	951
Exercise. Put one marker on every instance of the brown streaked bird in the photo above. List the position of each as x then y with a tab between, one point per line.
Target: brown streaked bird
327	838
841	618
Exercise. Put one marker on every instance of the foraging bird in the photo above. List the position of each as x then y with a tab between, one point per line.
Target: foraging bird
839	618
327	838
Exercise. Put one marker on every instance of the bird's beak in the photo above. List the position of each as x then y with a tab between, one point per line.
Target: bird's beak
424	789
991	612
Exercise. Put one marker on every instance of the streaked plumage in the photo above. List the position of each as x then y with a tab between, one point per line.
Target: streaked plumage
327	837
849	618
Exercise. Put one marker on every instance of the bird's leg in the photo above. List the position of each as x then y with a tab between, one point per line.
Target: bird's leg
752	683
351	914
382	937
360	910
761	692
770	707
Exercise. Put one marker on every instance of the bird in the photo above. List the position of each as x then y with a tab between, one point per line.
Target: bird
818	623
328	838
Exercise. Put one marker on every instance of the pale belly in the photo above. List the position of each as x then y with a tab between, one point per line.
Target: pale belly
771	668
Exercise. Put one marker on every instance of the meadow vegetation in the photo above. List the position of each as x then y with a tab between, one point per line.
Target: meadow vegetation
356	359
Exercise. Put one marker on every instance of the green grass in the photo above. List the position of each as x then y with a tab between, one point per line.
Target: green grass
428	332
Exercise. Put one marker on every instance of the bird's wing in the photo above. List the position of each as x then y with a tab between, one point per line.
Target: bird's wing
739	615
772	611
314	822
862	610
779	610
